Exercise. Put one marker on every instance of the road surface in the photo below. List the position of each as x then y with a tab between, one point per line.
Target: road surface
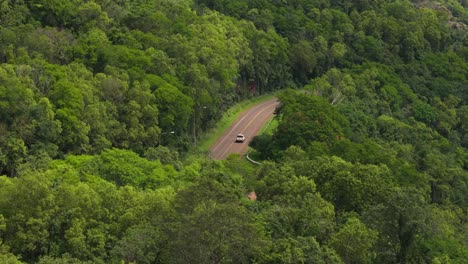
249	123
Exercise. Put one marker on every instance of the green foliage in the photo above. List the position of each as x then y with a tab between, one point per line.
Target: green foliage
354	241
66	259
141	244
307	118
127	168
302	250
175	107
217	232
7	257
298	209
351	187
367	164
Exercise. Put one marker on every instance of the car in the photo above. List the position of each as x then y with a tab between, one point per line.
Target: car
240	138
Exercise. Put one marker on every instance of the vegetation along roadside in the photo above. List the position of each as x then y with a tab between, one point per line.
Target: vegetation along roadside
104	106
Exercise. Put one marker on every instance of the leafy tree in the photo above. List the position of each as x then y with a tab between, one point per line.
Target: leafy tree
298	209
269	67
165	155
90	15
125	167
354	242
302	250
351	187
307	118
175	108
140	244
303	60
217	232
399	223
5	256
66	259
140	115
13	154
89	87
28	206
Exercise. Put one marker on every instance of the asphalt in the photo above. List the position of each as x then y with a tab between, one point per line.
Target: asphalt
248	123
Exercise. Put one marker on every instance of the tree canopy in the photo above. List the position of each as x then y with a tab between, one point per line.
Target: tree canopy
102	103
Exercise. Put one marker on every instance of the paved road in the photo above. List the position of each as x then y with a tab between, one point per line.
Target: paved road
249	123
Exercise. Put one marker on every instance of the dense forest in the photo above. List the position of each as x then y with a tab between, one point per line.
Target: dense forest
102	104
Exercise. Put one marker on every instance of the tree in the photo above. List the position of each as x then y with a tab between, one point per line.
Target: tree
165	155
303	60
141	244
301	250
441	235
28	206
297	209
126	168
139	112
12	155
334	86
65	259
351	187
54	13
90	15
399	222
354	242
217	233
175	108
7	257
270	66
306	118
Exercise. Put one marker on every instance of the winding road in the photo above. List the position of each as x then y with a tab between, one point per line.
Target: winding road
248	123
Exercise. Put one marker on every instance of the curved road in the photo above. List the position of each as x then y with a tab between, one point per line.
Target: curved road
248	123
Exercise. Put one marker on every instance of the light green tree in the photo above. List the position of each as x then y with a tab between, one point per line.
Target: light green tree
354	242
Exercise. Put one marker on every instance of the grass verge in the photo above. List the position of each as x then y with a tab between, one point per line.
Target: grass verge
267	129
231	114
269	126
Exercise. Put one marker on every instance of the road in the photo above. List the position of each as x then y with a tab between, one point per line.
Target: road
249	123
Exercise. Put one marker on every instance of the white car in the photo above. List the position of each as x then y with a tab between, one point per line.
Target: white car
240	138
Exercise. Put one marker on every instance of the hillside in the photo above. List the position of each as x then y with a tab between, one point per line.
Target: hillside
101	103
